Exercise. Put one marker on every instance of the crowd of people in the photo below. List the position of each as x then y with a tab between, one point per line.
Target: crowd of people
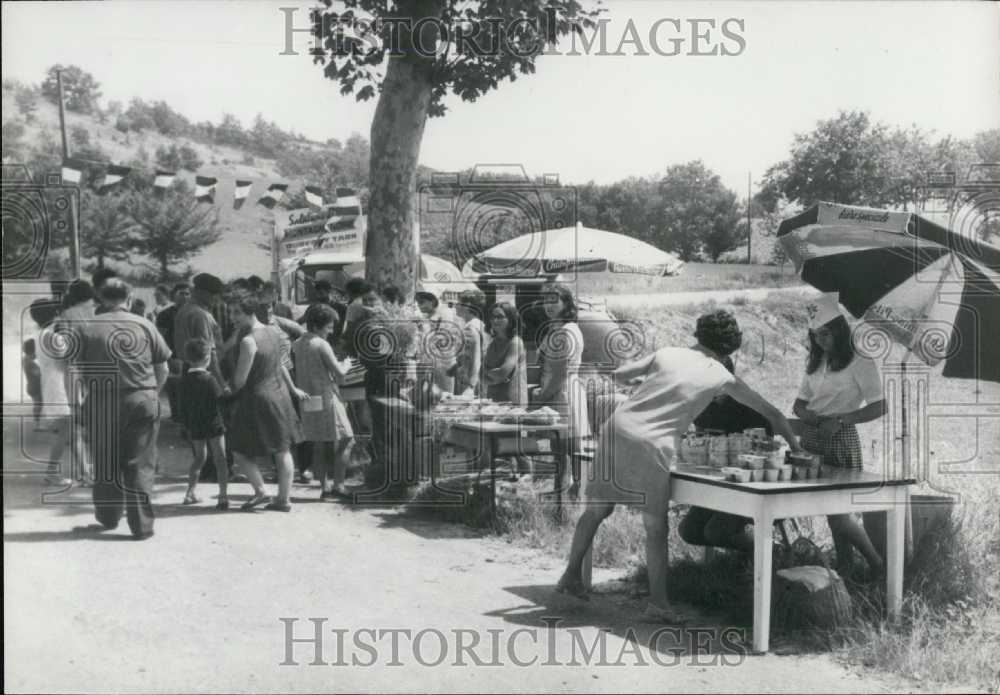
253	387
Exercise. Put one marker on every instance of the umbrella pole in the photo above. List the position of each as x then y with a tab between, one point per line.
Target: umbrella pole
904	437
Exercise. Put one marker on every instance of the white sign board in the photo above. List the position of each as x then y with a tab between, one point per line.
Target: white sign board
300	232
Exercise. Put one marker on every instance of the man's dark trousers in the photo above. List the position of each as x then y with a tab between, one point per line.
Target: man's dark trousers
123	436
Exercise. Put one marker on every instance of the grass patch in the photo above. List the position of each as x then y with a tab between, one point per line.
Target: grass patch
950	624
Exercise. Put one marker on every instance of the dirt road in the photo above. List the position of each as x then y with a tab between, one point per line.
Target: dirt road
206	603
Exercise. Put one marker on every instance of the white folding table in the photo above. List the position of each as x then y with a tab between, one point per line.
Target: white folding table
838	492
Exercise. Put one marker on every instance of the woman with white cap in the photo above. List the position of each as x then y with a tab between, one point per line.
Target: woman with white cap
840	389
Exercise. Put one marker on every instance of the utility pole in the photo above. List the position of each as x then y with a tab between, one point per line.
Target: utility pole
749	228
74	241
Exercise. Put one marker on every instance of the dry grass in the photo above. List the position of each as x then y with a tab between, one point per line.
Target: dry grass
951	620
694	277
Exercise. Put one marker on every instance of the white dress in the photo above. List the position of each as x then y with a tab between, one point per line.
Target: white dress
49	347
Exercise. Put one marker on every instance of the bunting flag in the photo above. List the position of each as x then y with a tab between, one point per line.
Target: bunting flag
204	188
72	171
164	179
113	176
314	196
275	192
348	204
240	193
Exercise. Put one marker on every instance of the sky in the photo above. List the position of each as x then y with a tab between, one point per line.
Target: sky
584	117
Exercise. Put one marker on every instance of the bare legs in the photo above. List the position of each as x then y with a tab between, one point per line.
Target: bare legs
332	457
199	448
591	519
848	534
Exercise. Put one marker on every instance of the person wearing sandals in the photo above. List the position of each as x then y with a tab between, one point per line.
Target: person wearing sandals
263	422
324	417
636	446
200	402
839	390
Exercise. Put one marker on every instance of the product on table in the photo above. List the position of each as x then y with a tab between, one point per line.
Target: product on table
757	475
752	461
771	475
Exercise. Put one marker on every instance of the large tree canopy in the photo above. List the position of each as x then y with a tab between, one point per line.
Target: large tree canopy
412	54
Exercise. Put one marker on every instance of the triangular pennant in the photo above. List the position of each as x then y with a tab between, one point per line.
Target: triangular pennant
164	179
204	188
114	176
240	193
275	193
72	171
314	196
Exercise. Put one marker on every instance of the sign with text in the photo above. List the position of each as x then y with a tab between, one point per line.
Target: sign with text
303	231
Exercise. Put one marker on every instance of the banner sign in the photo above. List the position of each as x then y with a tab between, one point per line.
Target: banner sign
305	230
831	214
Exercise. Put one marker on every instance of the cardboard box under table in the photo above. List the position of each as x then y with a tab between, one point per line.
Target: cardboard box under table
841	492
492	439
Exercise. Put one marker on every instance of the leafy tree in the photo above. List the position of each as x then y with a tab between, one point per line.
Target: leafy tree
172	227
168	157
230	131
843	160
412	84
104	227
27	102
80	89
987	146
12	145
167	121
189	158
139	115
697	213
79	136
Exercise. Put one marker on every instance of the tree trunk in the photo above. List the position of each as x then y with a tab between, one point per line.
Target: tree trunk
396	134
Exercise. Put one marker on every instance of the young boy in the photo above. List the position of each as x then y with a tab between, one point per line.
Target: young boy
198	401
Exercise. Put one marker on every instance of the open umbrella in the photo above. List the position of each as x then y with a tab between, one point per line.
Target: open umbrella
921	285
574	249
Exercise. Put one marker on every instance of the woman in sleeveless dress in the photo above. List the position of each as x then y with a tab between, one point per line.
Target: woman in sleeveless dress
560	353
505	363
264	423
636	445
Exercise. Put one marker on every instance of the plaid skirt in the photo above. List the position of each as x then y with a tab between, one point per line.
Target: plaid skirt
843	450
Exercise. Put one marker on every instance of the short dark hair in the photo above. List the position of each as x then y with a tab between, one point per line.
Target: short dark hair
322	286
513	318
357	287
319	315
114	290
102	275
719	332
569	312
28	347
392	294
79	291
247	302
474	299
44	311
197	350
180	286
255	282
162	289
240	284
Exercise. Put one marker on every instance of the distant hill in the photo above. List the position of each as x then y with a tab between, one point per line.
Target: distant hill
238	252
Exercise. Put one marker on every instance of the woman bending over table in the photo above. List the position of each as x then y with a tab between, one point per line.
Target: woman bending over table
637	445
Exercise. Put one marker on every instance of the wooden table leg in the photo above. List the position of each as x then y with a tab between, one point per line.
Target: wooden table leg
895	547
488	445
762	534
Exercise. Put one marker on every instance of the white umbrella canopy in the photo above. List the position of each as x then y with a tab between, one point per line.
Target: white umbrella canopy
575	249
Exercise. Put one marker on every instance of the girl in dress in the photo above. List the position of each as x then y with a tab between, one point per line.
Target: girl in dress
324	418
561	352
839	390
263	422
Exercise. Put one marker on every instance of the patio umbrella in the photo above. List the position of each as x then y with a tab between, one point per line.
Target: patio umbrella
574	249
921	285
